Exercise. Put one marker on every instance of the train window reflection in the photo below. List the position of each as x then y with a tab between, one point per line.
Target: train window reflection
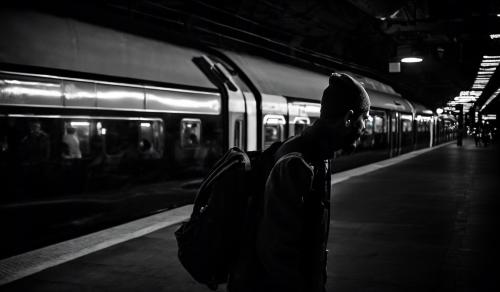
190	132
121	137
273	129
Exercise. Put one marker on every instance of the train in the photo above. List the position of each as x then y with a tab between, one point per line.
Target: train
151	117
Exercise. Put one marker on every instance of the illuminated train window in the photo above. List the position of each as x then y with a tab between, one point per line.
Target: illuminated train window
151	139
80	129
300	124
190	132
273	129
406	121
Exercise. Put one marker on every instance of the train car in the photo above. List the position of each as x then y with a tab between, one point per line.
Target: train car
423	126
445	128
98	126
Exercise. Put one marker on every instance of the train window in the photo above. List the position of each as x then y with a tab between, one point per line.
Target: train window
378	122
300	124
406	121
120	136
238	133
76	138
150	139
273	129
131	139
32	139
190	132
369	126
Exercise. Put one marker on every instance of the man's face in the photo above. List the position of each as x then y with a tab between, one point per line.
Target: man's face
354	131
35	128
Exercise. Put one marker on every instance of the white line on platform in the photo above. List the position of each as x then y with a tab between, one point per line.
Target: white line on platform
32	262
26	264
345	175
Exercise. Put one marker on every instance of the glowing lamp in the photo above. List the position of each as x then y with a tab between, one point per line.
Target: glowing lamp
411	60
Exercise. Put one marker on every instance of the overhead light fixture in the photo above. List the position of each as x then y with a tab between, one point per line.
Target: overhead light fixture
484	64
490	99
409	53
411	60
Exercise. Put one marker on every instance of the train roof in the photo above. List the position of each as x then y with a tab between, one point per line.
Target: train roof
275	78
47	41
420	109
279	78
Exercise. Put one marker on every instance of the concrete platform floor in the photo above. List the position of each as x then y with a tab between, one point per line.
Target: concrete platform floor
430	223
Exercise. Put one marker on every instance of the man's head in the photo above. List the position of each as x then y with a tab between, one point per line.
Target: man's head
35	127
344	108
70	130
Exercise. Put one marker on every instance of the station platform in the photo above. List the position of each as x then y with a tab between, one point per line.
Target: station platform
425	221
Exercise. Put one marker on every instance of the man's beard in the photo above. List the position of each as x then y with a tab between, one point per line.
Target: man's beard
350	144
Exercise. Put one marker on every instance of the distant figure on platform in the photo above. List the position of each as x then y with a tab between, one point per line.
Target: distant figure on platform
477	136
72	145
486	137
290	249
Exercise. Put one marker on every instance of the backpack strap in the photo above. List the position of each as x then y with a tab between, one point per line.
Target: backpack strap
230	159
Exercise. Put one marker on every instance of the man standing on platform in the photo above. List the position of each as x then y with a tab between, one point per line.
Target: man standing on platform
290	250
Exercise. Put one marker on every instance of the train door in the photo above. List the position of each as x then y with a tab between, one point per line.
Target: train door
395	134
242	106
406	133
237	105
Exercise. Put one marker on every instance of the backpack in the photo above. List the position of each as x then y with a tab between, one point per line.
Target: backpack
209	242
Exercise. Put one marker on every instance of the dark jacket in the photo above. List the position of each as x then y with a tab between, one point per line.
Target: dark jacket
287	251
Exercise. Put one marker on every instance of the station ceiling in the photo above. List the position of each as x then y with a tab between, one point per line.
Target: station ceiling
452	35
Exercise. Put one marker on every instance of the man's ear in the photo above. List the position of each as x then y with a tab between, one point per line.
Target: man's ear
348	118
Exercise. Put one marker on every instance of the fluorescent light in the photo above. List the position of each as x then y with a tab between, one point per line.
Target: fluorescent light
494	36
484	64
412	60
490	99
76	124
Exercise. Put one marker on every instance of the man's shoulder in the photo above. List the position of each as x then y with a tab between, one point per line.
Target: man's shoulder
294	161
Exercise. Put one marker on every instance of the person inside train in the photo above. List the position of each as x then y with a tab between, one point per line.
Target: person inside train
71	145
290	250
36	144
147	151
35	154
